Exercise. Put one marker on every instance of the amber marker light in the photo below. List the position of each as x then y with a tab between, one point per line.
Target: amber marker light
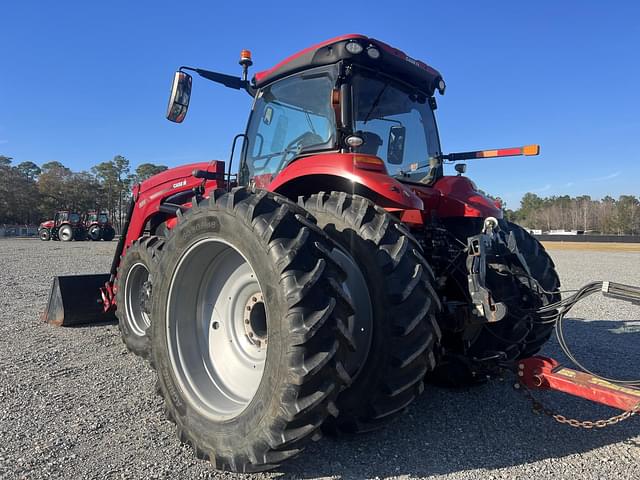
245	56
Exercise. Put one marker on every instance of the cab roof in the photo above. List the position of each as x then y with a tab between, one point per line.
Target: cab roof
391	61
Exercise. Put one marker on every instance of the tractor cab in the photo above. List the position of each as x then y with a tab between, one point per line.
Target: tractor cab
65	217
98	226
351	114
93	217
355	105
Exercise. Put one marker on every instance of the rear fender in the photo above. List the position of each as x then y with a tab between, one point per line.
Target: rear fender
456	196
346	172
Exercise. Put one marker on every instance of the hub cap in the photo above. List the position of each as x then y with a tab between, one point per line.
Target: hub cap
217	329
94	233
65	234
137	290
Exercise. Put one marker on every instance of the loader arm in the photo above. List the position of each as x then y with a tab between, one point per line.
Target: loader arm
87	299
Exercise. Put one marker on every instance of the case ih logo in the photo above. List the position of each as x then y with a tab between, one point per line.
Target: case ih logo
411	60
179	184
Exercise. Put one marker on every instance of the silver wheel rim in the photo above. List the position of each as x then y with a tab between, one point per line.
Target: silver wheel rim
137	291
65	234
216	328
94	233
360	324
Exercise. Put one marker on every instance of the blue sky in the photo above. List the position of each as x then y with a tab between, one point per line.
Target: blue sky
83	81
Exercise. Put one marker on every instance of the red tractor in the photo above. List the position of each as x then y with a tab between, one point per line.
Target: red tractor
65	226
316	289
98	226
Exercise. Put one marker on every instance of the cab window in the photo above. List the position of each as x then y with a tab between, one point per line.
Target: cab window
290	117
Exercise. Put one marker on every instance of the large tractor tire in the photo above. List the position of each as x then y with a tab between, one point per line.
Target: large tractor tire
65	233
108	234
134	287
394	324
44	234
544	271
522	332
249	329
95	233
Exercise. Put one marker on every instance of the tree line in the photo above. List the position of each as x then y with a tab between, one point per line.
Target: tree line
609	216
30	193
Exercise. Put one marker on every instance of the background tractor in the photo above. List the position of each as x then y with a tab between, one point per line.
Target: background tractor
65	226
98	226
318	287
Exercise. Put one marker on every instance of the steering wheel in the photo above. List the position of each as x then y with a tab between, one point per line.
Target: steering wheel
295	145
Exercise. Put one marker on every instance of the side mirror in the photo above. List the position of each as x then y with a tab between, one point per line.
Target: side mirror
395	146
179	100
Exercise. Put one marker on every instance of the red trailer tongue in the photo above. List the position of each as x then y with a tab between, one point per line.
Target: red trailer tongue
76	300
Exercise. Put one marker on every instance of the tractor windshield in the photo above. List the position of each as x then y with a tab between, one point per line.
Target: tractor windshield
74	217
290	117
102	218
92	217
396	124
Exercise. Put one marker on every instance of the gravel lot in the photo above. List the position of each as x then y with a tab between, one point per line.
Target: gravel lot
74	404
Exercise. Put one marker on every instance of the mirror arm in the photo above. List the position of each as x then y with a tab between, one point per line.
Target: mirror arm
227	80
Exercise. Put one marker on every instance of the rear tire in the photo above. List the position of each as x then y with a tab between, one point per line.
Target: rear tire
44	234
136	276
403	306
65	233
108	233
248	419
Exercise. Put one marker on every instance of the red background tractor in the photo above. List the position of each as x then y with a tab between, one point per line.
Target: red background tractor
98	226
65	226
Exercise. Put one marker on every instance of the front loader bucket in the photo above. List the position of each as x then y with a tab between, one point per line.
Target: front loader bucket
76	300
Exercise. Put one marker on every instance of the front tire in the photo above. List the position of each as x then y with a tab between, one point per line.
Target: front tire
248	406
44	234
134	282
401	304
522	332
95	233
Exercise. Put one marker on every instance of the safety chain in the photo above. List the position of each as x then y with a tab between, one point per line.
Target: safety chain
588	424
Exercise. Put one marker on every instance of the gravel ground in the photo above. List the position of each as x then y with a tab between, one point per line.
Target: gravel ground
75	404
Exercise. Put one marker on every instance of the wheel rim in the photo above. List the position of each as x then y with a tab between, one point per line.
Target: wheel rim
44	235
360	324
137	290
94	233
216	329
65	234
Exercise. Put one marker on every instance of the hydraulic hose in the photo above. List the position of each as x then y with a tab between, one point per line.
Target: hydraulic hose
555	312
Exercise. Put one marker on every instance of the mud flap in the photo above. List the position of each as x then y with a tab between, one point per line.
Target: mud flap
76	300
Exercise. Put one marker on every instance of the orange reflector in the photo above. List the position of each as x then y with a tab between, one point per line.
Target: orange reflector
368	162
487	153
531	150
335	97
